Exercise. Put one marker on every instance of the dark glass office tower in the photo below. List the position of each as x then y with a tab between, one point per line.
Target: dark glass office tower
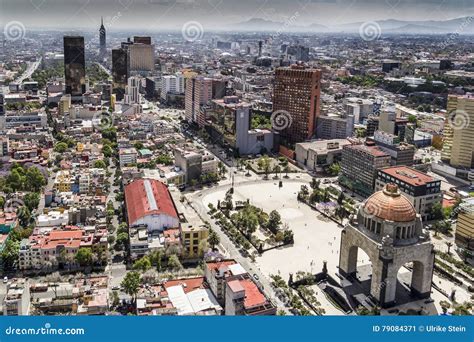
74	65
120	71
102	38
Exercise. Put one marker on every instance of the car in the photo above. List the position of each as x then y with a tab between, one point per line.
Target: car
255	276
115	288
5	279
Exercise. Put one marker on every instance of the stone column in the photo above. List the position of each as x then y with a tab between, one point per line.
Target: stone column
421	279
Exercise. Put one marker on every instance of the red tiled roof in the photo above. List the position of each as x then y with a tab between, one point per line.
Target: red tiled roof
191	283
148	197
253	295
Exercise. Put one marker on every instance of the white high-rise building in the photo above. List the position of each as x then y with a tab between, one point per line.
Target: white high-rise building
132	91
172	84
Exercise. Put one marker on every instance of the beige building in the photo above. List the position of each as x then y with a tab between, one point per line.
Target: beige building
458	148
465	225
194	240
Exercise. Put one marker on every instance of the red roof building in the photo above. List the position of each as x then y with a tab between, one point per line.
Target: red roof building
149	202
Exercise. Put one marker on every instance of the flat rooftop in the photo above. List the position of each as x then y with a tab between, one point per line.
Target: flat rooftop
408	175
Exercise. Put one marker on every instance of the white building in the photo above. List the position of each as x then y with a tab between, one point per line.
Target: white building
172	84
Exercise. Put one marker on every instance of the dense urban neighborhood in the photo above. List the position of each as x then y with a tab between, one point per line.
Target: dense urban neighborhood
240	172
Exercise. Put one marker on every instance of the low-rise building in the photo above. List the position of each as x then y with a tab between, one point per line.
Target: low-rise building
17	298
194	240
128	156
149	203
236	290
316	155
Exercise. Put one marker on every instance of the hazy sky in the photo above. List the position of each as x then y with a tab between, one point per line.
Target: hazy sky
156	14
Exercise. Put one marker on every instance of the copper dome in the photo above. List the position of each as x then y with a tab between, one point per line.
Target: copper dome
389	204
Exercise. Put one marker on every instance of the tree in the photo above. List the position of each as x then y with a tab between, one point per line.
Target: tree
100	164
24	216
173	263
115	299
143	264
274	221
334	169
436	211
156	258
303	193
107	151
315	183
286	169
277	170
31	200
122	240
412	118
16	179
60	147
213	239
34	179
84	256
131	284
264	163
10	253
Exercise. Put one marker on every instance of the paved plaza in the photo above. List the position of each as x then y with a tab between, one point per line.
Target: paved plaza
317	238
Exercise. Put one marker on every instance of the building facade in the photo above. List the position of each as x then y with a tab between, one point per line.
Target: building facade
422	190
74	66
297	92
458	147
359	165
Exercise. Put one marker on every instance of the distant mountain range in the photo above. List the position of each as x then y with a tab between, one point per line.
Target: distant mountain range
464	25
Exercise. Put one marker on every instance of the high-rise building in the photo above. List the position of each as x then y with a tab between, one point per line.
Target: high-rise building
359	167
297	93
102	38
142	40
172	84
464	236
132	94
198	93
2	108
74	65
458	147
120	71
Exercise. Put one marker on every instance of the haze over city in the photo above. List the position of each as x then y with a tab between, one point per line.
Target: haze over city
219	14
